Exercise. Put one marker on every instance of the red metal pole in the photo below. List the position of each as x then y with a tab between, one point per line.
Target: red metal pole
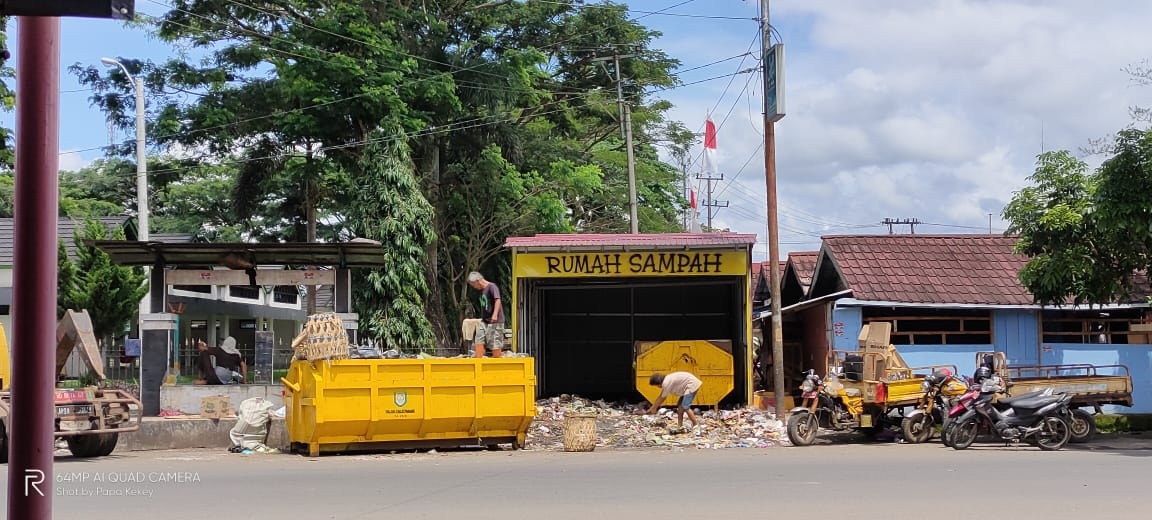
31	437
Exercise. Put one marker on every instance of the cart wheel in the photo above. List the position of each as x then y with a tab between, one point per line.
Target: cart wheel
917	429
1083	426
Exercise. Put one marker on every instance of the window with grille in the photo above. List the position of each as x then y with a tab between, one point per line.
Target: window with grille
1091	327
916	326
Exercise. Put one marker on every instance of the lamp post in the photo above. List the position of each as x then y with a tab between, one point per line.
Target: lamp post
141	160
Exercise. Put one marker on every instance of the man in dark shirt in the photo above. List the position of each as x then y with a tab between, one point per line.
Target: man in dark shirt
491	329
221	365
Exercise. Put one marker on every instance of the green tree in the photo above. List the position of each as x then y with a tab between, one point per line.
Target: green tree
292	93
1086	233
7	100
392	211
110	293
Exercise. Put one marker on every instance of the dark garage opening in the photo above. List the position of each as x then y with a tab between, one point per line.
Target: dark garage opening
588	328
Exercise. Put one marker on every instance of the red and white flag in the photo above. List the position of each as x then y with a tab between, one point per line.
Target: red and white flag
710	147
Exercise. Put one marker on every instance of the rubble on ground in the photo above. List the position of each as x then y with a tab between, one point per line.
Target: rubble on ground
623	426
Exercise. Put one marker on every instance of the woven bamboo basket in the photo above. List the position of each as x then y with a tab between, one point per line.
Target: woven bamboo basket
323	337
579	432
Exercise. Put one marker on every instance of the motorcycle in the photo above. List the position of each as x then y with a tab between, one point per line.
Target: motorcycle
940	389
1042	418
829	404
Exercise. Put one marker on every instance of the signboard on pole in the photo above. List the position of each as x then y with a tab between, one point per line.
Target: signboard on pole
774	82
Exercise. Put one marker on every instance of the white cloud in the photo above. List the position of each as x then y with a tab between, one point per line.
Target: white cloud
933	110
71	160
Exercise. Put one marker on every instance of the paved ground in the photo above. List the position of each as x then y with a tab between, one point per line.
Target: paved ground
840	481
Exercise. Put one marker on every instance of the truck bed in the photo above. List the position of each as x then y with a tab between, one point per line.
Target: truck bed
1089	385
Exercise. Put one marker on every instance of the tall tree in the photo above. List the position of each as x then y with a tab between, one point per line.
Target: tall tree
292	92
390	209
110	293
1087	233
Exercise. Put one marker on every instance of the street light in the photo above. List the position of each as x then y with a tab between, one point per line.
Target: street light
141	161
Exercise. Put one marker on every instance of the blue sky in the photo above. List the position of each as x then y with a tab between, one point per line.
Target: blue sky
933	109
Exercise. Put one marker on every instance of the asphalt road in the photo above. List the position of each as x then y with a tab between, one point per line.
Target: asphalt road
839	481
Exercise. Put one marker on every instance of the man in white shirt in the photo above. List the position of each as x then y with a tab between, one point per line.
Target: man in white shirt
681	384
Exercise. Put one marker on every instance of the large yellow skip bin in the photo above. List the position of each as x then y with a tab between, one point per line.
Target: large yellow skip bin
369	404
711	361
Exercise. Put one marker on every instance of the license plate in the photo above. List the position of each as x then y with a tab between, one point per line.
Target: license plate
68	396
84	410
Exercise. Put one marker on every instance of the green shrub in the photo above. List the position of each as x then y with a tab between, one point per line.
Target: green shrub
1112	423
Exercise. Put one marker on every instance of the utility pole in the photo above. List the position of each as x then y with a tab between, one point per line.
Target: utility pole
911	223
771	61
687	194
709	202
626	117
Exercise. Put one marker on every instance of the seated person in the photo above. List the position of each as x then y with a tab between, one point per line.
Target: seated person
223	365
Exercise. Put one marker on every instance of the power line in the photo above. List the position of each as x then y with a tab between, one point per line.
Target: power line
327	103
650	13
452	127
361	42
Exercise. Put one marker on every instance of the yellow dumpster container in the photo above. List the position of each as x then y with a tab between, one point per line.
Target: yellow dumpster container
711	361
370	404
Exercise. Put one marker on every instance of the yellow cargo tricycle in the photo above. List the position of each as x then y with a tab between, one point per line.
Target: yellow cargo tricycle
865	390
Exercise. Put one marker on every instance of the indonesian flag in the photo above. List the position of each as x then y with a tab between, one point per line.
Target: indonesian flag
694	214
709	147
692	198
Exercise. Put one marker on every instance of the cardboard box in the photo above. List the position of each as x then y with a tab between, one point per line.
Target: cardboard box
877	334
215	407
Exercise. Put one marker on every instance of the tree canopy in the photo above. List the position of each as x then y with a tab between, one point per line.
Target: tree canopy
1088	233
285	120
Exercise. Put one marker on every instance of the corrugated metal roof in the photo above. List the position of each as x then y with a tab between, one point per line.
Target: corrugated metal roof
349	254
631	241
65	230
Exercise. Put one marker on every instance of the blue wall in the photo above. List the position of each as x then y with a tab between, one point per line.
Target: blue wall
963	357
846	325
1016	333
1138	359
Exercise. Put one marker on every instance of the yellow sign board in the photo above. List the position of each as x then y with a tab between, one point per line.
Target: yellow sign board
656	263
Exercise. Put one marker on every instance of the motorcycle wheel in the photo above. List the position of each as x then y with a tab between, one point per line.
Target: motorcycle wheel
1083	426
1054	433
917	429
802	428
964	434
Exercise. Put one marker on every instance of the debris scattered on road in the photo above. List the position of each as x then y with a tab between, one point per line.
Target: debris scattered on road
624	426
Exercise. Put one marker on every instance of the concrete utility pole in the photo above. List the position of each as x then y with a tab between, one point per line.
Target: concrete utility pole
773	111
626	115
709	202
141	158
626	131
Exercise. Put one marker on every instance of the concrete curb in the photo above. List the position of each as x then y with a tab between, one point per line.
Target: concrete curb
158	433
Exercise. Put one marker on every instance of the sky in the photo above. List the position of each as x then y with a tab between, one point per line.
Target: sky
933	110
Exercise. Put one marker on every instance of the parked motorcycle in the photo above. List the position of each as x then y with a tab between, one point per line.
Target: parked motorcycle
1043	418
940	389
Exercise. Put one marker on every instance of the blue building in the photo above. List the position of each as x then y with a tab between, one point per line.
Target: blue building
947	298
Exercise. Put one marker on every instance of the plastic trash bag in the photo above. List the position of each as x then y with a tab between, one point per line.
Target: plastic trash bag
252	422
364	352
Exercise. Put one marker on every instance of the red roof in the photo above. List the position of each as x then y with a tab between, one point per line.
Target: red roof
804	263
632	241
933	269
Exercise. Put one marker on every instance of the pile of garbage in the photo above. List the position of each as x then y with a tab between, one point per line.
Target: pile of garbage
369	351
623	426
